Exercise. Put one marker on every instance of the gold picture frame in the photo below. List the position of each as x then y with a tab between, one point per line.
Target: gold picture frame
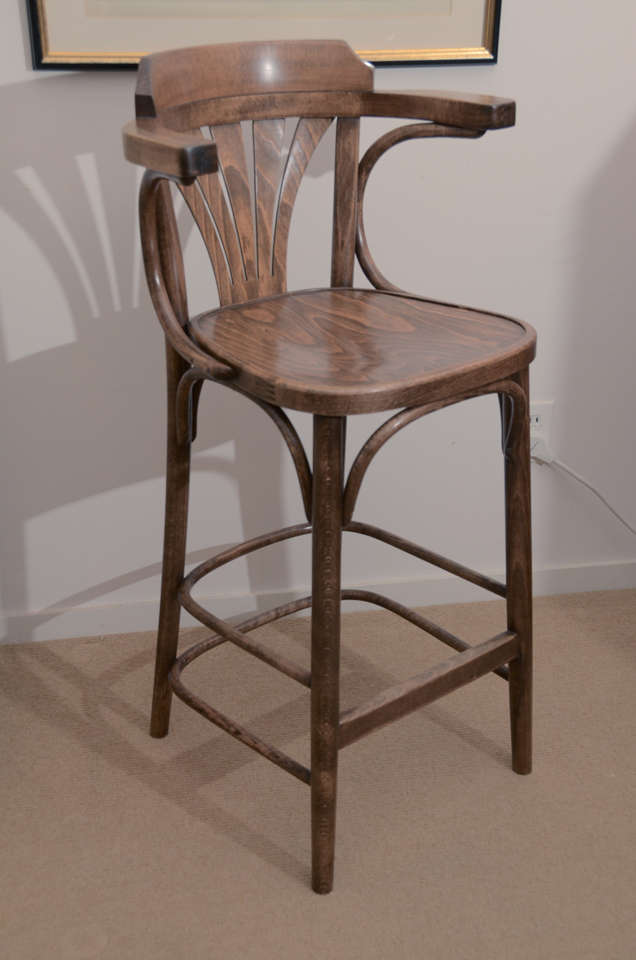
117	33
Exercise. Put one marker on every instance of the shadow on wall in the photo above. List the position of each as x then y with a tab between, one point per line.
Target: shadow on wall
85	416
594	432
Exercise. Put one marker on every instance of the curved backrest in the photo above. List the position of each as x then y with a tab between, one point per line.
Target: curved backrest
173	82
243	210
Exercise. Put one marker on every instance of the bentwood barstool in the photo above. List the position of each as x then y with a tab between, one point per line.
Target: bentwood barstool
331	351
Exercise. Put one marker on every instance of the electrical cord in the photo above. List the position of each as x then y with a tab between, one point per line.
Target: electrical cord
576	476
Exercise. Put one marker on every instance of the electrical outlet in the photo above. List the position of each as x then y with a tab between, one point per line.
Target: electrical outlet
540	426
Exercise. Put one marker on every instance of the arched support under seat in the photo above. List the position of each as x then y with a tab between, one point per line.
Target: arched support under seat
398	421
187	400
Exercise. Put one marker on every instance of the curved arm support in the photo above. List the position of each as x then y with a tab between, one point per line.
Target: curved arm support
389	428
161	251
411	131
187	401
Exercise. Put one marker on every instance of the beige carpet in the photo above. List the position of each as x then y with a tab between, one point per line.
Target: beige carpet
118	846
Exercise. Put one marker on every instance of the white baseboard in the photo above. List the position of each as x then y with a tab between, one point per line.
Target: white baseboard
115	618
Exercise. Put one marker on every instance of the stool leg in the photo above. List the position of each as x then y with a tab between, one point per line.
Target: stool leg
325	642
519	580
174	546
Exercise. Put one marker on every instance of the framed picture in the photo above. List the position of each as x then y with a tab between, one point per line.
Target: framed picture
117	33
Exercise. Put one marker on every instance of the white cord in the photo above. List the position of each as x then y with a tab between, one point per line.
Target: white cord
580	479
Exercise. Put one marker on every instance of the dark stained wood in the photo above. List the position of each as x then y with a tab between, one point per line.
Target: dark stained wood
237	637
252	623
240	732
356	351
519	573
174	547
330	352
177	478
185	404
325	643
232	633
412	694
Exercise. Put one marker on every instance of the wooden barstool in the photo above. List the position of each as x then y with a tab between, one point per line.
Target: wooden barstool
331	351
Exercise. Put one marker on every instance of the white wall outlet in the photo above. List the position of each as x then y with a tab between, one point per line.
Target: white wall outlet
540	427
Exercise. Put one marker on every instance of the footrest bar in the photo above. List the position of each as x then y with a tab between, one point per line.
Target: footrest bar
408	696
238	732
242	550
451	566
368	596
250	646
253	623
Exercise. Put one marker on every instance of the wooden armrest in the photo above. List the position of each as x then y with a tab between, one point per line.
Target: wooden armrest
182	155
471	111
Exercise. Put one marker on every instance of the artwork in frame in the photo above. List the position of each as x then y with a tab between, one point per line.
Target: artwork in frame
117	33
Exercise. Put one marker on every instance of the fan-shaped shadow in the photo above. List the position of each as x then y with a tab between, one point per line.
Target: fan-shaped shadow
86	417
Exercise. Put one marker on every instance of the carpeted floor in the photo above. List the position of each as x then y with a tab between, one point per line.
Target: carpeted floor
118	846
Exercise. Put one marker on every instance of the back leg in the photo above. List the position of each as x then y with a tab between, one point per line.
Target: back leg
174	547
519	573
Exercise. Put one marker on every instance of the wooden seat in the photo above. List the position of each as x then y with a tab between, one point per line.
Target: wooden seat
232	129
341	351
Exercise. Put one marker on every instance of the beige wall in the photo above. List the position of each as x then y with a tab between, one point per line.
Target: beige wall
536	222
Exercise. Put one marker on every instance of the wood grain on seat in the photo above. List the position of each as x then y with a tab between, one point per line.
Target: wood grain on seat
339	351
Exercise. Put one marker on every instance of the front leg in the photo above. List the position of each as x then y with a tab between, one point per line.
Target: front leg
325	642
